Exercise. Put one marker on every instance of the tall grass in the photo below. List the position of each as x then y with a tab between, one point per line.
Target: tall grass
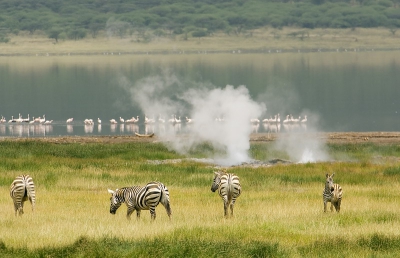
280	213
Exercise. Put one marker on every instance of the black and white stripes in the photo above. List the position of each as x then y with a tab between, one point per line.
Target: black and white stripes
21	190
332	193
228	187
141	198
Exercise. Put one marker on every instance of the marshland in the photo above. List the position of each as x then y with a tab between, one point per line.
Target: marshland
279	214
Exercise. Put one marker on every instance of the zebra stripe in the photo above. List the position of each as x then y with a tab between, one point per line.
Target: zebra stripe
332	193
228	187
141	198
22	189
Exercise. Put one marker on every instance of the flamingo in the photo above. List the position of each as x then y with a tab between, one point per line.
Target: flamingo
304	119
189	120
177	120
88	121
2	120
98	121
69	120
137	119
48	122
254	121
287	120
113	121
42	120
295	120
121	120
19	119
161	120
172	119
148	120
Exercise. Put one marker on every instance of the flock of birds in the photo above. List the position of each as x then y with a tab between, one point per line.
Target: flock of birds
289	119
173	120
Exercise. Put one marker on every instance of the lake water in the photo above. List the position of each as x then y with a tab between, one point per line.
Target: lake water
345	91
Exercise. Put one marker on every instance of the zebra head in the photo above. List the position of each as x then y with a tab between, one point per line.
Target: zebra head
329	182
115	201
216	181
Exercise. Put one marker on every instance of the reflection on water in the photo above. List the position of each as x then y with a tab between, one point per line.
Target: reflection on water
340	91
59	128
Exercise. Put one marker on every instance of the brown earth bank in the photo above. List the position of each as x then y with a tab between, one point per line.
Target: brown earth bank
329	137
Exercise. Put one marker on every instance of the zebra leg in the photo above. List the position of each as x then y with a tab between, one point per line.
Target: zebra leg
338	206
325	206
331	206
232	204
129	212
32	203
226	209
138	214
153	213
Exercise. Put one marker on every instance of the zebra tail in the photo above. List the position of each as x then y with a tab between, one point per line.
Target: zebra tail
165	201
30	192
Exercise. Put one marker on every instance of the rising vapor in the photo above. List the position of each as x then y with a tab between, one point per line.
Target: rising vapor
221	117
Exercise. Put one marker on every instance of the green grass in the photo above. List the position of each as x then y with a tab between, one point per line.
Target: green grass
280	212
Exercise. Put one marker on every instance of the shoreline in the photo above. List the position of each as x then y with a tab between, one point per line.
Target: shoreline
328	137
262	40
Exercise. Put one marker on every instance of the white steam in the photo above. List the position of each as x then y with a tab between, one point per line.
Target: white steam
221	117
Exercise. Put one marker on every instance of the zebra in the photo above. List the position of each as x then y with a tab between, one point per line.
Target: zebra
22	189
228	187
332	193
141	198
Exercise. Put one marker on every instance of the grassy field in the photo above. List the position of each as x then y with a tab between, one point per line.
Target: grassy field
279	214
261	40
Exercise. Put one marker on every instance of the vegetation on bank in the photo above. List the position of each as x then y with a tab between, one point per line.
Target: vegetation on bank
280	213
145	20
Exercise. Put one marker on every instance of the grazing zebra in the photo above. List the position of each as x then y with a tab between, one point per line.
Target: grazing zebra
141	198
228	187
332	193
22	189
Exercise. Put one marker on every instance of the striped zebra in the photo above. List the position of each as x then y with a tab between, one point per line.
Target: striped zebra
22	189
332	193
141	198
228	187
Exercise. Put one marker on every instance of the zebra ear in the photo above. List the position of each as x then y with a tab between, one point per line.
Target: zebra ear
110	191
332	174
327	175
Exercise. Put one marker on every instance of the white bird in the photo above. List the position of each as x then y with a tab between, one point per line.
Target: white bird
189	120
48	122
178	120
148	120
287	120
161	120
2	120
88	121
42	120
121	120
254	121
295	120
98	120
172	119
304	119
69	120
113	121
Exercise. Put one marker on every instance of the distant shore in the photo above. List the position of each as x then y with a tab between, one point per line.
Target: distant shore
266	40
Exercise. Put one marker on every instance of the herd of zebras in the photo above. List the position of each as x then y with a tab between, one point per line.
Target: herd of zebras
149	196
